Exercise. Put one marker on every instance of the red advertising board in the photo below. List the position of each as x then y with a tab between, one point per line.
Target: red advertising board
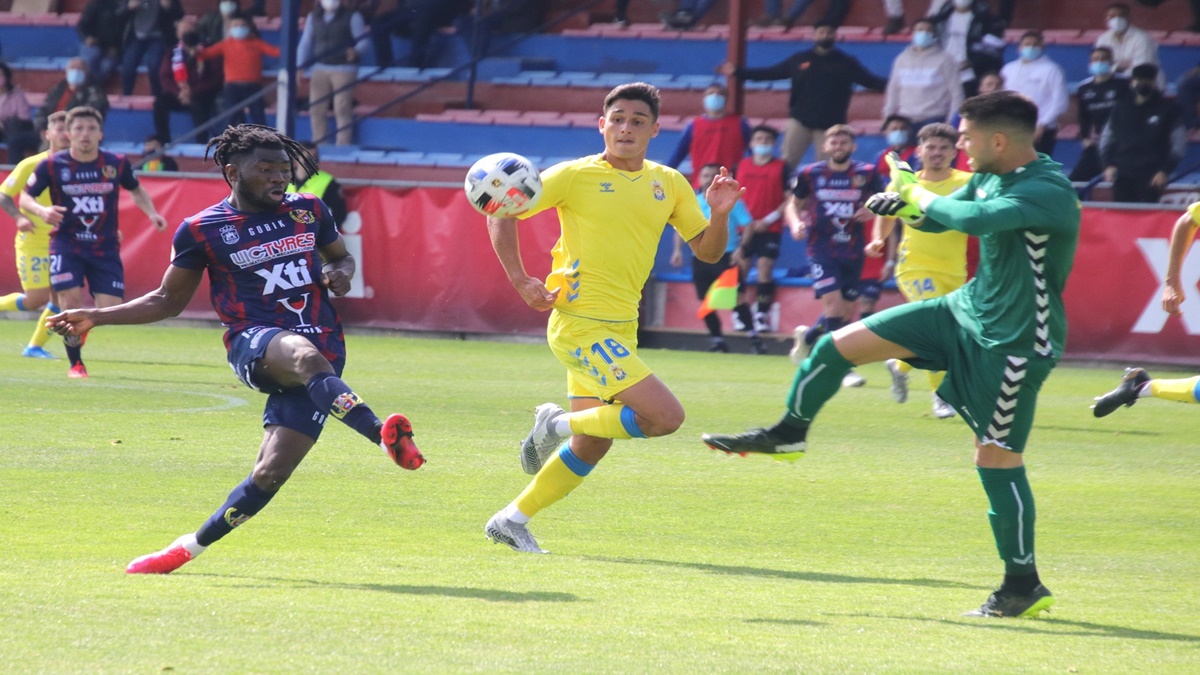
426	264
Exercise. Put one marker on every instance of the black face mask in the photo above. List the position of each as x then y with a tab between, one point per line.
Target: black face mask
1144	90
190	39
826	44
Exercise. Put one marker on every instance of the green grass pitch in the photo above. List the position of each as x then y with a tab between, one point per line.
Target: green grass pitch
858	558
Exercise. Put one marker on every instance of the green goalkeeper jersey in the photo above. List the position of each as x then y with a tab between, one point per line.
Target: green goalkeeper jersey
1027	222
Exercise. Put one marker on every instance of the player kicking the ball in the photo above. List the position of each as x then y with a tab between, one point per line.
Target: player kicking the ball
997	337
263	250
612	208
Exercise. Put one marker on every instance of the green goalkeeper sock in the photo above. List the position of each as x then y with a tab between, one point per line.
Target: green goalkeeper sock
1012	515
817	380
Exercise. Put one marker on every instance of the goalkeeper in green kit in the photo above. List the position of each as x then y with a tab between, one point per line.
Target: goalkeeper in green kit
998	337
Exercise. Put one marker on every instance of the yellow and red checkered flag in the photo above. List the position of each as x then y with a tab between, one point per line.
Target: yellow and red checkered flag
722	294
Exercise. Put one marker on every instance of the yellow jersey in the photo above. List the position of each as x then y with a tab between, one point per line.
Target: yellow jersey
611	223
12	186
937	252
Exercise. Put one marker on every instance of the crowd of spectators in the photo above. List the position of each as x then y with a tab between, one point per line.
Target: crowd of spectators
211	66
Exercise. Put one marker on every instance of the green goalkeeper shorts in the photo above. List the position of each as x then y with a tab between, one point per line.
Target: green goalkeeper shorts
995	393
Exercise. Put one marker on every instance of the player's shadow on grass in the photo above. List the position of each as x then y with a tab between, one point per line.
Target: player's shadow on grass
1086	628
822	577
1108	431
489	594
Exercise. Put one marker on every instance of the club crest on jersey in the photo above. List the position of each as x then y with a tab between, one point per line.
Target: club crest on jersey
229	234
64	175
110	172
859	180
659	193
618	372
302	216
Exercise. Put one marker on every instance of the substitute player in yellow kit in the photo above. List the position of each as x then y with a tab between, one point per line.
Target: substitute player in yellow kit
33	240
928	265
612	208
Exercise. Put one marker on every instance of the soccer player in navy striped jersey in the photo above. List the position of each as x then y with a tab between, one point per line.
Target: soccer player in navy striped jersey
272	259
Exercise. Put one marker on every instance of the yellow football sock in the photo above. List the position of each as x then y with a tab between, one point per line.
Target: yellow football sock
1184	391
606	421
552	483
903	366
935	379
8	303
41	334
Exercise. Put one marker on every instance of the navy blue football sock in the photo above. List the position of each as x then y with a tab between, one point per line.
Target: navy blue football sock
246	500
74	347
328	392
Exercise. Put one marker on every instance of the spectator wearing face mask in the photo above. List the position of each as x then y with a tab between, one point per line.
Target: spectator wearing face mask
765	177
1042	80
713	137
243	53
214	24
1143	141
188	84
74	90
1096	96
1130	45
335	37
898	133
924	84
823	80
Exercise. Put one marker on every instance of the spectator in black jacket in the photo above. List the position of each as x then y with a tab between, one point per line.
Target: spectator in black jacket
100	29
149	32
187	83
1143	141
1097	95
822	82
75	89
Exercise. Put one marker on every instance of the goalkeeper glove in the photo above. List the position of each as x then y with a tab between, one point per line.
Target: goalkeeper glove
892	205
906	185
901	172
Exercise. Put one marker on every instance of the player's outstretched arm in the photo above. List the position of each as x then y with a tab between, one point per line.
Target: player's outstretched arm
507	244
143	201
337	270
1181	241
179	284
722	195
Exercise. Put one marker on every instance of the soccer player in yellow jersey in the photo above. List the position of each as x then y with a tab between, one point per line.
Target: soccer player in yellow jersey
612	208
929	264
33	240
1137	383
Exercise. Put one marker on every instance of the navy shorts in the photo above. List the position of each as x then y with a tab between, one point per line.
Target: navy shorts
291	407
103	272
764	245
836	274
870	288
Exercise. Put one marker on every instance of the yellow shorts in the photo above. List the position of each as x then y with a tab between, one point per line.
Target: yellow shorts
600	356
925	285
33	261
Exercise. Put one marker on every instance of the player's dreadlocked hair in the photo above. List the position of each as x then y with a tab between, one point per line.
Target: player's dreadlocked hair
244	138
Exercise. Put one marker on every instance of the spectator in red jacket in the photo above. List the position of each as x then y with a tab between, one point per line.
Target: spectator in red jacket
715	137
243	51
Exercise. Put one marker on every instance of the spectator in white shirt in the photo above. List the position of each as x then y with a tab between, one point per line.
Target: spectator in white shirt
1042	80
1131	46
924	84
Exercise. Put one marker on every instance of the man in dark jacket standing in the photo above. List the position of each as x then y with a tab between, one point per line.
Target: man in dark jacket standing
1143	141
100	29
149	32
822	81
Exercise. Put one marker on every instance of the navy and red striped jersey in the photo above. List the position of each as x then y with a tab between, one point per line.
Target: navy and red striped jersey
264	269
835	197
89	191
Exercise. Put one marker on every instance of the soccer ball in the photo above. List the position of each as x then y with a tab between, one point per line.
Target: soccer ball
503	185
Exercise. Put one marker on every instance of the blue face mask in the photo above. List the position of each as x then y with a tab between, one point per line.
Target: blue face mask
75	77
897	138
1030	53
239	32
762	150
923	39
714	102
1100	68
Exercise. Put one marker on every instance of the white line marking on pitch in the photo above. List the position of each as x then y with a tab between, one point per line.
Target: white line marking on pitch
227	402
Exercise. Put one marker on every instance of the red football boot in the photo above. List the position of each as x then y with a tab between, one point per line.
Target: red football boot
398	443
